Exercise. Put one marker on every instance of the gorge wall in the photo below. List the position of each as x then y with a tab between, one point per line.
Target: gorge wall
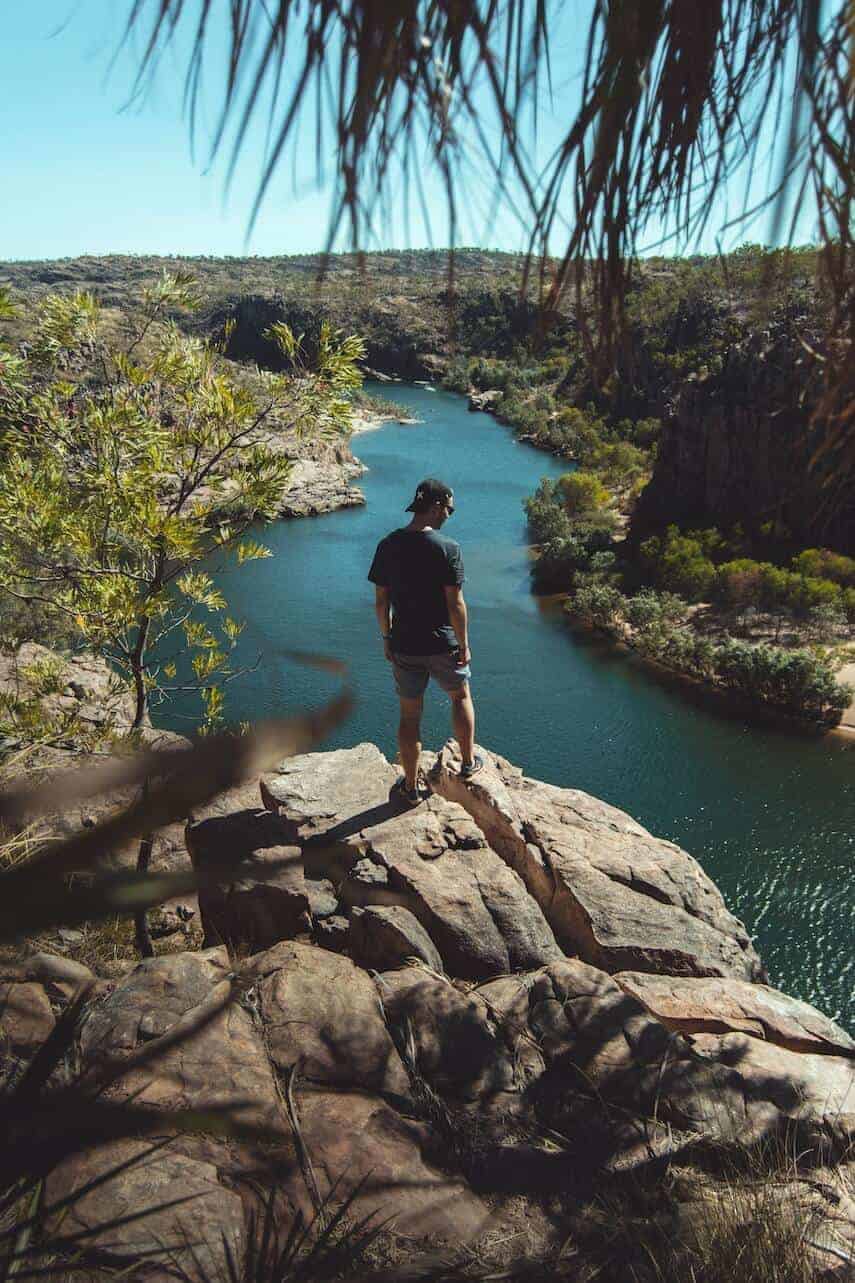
738	445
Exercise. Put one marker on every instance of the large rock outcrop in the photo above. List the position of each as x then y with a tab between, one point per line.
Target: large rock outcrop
511	992
614	894
432	861
738	446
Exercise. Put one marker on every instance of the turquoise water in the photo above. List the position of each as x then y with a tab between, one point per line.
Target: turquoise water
770	816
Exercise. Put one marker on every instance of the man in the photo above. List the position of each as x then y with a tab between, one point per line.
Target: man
418	580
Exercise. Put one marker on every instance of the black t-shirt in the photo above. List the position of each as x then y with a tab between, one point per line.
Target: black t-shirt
416	566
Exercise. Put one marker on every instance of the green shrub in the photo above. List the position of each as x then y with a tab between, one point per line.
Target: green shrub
821	563
648	607
827	621
806	594
618	462
680	563
582	493
646	433
739	583
597	602
45	675
847	601
796	681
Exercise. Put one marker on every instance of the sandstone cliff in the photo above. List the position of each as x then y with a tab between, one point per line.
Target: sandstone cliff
738	446
471	1016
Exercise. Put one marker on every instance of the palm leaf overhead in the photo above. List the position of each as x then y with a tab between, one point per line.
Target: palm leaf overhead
677	98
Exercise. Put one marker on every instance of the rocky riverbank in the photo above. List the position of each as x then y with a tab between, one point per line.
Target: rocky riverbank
324	481
477	1016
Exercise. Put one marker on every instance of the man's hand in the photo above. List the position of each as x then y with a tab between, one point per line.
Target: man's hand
387	650
464	656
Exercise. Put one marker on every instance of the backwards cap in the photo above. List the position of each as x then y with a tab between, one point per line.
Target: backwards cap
429	492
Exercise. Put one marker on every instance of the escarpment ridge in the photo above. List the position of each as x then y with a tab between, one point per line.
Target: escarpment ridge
466	1015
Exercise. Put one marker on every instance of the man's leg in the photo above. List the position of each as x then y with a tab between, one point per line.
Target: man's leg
409	738
463	722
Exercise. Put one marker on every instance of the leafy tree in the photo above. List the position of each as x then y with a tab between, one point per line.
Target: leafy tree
827	621
117	486
679	562
821	563
598	602
739	583
547	519
583	493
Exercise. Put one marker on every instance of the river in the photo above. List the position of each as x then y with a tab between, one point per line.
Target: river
770	815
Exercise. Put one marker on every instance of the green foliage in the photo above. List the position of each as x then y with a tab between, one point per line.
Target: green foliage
383	406
547	517
582	493
821	563
597	602
125	466
45	675
647	609
567	544
796	681
681	563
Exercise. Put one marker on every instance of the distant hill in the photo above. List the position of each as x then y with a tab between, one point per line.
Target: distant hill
716	372
410	305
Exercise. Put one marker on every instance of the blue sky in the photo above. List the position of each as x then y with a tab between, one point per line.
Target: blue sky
83	173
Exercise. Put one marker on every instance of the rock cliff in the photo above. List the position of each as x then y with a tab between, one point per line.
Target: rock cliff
468	1015
738	446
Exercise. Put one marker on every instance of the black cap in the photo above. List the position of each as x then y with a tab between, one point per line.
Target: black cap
429	492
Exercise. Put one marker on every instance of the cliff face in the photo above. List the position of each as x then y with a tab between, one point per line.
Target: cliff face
397	342
738	446
445	1012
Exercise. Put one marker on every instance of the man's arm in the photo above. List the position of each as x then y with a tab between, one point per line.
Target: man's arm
458	619
383	611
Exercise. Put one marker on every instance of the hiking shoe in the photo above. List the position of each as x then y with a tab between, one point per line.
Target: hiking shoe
468	769
407	797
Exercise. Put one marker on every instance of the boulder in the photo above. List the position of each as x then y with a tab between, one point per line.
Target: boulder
386	936
316	486
265	899
196	1238
450	1038
432	860
320	1013
486	400
26	1019
613	894
323	901
81	686
597	1038
304	1016
357	1139
317	794
567	1047
701	1005
332	933
220	1061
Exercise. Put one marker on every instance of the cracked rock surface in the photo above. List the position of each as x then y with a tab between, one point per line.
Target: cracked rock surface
613	894
450	1013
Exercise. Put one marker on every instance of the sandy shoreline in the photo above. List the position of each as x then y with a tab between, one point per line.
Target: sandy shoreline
360	423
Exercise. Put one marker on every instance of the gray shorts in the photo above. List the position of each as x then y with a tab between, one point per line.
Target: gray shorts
412	673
